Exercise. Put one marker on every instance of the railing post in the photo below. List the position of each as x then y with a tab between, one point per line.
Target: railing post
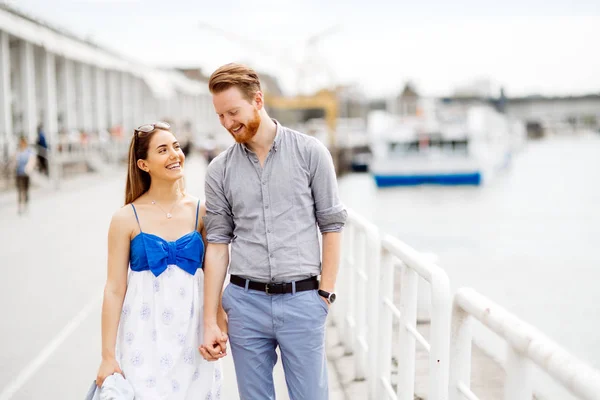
374	310
406	342
424	294
54	167
518	384
384	356
349	321
460	352
439	337
360	341
339	311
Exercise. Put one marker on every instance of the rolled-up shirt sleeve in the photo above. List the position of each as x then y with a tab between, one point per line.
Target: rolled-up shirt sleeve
330	212
218	220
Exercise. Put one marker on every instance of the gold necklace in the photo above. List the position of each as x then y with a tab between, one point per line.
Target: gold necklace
169	215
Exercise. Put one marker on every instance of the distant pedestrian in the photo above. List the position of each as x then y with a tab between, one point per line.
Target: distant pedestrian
42	150
25	164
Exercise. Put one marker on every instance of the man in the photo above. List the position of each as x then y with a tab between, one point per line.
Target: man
268	196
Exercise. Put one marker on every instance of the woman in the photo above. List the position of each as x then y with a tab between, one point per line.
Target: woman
152	311
25	164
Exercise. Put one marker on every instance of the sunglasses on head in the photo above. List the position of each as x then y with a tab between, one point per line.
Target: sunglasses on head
147	128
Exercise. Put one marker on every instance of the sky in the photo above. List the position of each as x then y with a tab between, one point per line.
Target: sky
527	47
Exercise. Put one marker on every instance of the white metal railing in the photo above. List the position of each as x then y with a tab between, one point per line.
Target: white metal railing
526	345
93	152
111	149
359	285
412	266
365	317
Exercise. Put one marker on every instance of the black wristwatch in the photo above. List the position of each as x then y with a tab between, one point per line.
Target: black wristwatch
329	296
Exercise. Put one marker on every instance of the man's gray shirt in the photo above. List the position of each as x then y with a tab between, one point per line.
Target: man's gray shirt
272	215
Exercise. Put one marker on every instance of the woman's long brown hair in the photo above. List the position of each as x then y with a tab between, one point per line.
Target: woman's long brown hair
138	180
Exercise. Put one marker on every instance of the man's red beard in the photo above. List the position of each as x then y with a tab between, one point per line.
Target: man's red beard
248	129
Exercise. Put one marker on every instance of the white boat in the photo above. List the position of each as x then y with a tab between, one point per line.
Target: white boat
446	145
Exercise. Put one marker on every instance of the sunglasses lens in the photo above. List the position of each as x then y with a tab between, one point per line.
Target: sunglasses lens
150	127
145	128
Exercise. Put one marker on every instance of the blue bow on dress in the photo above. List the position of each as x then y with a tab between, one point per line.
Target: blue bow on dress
186	252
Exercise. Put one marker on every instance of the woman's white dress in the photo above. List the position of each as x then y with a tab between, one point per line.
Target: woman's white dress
161	329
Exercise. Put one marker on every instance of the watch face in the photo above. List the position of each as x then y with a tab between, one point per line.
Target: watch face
332	298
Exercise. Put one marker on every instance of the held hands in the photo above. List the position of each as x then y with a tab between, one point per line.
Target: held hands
108	367
215	343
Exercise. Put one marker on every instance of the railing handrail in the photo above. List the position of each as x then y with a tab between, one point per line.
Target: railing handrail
576	376
415	260
362	221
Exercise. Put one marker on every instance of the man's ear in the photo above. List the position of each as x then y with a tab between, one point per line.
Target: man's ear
259	100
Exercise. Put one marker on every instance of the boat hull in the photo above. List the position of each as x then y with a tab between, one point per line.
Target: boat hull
471	178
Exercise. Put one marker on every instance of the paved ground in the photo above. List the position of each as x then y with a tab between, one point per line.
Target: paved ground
54	266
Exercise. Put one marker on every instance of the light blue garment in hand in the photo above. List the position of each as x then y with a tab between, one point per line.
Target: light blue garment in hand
114	387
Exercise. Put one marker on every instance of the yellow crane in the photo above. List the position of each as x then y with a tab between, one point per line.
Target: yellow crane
324	99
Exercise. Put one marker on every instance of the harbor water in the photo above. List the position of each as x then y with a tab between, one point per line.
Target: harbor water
529	240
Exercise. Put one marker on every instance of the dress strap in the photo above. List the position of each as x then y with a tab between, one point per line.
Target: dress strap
136	217
197	209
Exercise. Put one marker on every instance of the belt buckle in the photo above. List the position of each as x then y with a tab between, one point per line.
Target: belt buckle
272	285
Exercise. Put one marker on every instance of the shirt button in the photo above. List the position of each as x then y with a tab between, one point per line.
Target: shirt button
268	231
273	279
267	206
264	183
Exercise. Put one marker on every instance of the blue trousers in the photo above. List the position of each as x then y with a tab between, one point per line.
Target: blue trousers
258	323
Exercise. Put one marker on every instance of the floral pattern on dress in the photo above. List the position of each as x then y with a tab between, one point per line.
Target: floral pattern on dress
159	335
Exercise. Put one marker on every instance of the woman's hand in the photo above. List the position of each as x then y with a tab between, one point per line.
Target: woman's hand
107	368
